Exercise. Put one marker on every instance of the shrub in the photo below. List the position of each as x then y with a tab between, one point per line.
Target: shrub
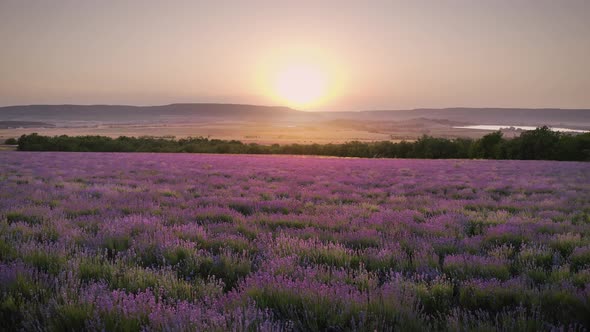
93	269
243	208
581	278
71	317
7	251
31	220
508	234
72	214
535	256
566	243
45	261
115	320
493	295
228	267
214	217
580	258
572	307
176	255
116	244
274	224
466	266
10	141
436	297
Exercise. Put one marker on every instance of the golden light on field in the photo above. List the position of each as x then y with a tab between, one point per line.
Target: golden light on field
302	78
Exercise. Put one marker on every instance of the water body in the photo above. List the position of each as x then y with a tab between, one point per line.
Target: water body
499	127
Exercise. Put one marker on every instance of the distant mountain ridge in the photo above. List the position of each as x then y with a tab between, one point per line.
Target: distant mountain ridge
115	113
194	112
501	116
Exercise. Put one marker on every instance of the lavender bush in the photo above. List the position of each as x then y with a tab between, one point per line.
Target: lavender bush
134	242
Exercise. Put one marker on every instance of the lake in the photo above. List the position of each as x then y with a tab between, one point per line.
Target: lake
499	127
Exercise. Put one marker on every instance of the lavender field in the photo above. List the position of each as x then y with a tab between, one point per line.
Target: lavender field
132	242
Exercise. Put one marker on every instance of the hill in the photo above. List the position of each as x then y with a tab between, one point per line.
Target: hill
126	113
275	124
239	112
501	116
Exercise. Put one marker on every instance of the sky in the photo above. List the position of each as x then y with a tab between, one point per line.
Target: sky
313	55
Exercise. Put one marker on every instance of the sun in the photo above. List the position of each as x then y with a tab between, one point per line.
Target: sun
302	77
301	85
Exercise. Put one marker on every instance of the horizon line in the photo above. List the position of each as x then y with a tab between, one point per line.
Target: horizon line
306	111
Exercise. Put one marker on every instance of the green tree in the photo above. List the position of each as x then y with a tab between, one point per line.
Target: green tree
488	147
540	143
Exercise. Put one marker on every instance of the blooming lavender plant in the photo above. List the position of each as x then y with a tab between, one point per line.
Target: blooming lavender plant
175	242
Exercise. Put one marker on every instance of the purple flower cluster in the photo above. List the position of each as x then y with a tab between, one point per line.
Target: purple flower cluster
177	242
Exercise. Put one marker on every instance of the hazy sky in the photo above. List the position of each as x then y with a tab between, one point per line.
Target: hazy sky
376	54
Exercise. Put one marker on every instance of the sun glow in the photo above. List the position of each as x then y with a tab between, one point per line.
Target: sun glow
299	77
301	85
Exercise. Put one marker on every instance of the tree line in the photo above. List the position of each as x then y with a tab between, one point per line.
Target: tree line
539	144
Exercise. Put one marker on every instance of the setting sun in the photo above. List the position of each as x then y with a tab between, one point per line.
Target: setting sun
301	77
301	85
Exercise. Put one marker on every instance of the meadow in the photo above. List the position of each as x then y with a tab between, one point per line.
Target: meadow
183	242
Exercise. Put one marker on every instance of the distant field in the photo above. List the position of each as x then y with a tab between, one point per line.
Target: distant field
269	125
264	133
247	132
147	241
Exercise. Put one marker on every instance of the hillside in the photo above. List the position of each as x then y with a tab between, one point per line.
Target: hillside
504	116
126	113
238	112
274	124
